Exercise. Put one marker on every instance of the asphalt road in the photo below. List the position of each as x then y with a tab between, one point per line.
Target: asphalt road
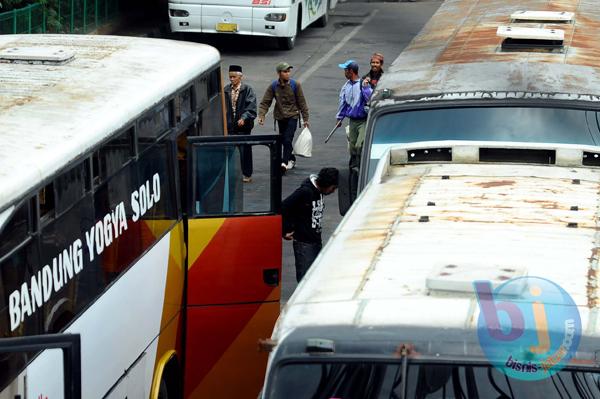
355	31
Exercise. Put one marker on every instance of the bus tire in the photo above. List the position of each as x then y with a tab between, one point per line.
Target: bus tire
287	43
163	391
170	382
322	22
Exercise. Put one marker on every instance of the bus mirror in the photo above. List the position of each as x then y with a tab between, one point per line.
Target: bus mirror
346	190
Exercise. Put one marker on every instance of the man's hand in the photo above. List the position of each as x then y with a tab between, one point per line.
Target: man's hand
289	236
261	120
366	81
240	122
339	123
306	124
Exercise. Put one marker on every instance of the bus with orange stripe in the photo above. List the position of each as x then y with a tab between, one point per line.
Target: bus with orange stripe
124	222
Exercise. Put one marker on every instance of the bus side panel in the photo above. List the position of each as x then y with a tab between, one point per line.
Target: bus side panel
222	357
233	301
116	329
171	323
228	259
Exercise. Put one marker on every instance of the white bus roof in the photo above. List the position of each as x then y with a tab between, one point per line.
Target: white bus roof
50	114
458	55
408	251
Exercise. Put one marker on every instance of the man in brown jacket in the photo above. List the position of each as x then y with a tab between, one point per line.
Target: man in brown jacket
289	105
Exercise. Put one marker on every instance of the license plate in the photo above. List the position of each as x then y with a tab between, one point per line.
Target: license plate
225	27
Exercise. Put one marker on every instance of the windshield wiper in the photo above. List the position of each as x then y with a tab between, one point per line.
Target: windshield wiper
503	394
401	374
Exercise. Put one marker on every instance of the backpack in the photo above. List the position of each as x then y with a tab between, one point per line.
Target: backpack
292	83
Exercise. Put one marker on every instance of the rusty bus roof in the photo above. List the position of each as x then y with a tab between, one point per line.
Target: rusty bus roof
458	55
417	224
53	113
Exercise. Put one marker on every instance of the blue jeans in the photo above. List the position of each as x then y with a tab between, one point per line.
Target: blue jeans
304	254
287	128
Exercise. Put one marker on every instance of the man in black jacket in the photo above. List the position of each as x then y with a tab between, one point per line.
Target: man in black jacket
240	101
302	212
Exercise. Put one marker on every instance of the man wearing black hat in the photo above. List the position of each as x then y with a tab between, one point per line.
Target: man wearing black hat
240	101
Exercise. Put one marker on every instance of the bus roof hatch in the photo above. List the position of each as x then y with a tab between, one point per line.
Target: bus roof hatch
550	16
36	55
516	38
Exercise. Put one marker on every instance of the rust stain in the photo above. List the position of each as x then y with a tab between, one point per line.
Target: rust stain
591	288
498	183
464	32
543	203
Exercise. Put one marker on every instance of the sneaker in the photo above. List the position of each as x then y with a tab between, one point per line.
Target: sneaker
246	179
283	168
290	165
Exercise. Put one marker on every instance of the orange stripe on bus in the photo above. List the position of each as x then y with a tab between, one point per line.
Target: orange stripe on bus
241	364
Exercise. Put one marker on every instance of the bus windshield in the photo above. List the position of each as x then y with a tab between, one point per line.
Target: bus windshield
366	380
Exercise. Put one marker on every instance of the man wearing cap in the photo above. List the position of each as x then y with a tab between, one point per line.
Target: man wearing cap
290	104
376	71
354	97
240	102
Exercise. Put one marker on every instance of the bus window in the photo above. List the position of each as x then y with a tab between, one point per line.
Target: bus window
213	83
201	90
218	181
185	104
155	170
70	187
16	229
15	269
154	124
383	380
111	157
46	201
209	125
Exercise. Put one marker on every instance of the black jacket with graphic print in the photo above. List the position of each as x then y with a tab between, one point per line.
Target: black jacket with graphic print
302	212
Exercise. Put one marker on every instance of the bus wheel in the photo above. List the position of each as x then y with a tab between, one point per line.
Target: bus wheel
163	391
322	22
287	43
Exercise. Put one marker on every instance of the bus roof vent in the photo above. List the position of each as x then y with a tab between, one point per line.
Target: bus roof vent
36	55
542	16
520	38
460	277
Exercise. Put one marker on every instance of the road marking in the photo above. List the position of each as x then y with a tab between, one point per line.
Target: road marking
305	75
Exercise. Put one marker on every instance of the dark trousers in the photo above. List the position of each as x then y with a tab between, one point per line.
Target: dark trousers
245	156
304	254
287	128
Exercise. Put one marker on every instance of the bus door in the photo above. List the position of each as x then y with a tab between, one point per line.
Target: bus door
69	344
234	263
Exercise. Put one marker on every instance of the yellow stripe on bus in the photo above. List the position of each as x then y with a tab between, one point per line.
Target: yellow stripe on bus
200	233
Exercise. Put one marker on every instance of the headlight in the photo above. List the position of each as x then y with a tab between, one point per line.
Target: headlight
276	17
179	13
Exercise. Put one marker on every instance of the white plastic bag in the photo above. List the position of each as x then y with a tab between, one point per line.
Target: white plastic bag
303	144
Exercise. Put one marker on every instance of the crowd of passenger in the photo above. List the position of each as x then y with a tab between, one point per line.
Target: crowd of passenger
302	211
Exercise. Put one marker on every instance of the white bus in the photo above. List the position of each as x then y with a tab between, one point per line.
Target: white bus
100	137
282	19
481	165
